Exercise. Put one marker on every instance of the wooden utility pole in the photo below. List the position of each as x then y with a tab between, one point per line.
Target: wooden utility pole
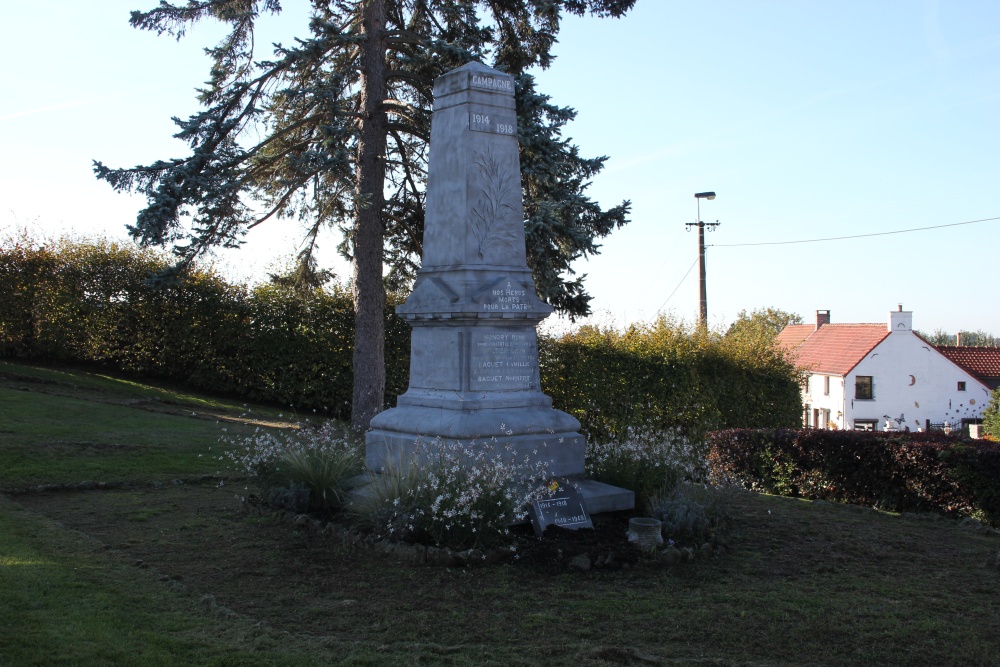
702	291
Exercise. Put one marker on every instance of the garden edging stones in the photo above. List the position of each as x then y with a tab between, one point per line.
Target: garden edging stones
420	554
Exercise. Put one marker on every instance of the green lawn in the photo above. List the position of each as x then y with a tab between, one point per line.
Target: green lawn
63	601
54	439
132	576
62	426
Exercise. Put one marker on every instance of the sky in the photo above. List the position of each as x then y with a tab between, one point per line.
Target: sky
810	119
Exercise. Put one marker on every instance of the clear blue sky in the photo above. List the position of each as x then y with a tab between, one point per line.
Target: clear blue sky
810	119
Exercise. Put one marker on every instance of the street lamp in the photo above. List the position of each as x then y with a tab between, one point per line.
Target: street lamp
703	311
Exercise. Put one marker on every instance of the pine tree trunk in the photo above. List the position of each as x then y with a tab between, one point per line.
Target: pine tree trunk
369	289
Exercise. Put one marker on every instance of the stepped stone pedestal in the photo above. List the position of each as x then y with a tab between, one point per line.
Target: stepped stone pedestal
474	353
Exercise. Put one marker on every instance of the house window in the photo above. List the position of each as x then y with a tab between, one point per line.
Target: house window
864	388
805	416
961	386
865	424
826	385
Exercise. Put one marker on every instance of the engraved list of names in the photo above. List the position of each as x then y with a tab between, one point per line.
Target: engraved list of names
503	358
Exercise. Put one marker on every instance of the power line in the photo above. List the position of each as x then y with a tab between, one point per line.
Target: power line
673	245
678	286
855	236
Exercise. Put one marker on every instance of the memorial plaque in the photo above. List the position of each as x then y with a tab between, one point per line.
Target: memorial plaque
503	358
564	508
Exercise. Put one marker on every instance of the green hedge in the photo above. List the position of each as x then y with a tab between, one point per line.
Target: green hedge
665	378
891	471
92	303
991	417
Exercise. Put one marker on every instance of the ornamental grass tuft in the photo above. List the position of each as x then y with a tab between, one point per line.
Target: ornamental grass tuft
324	461
650	464
693	513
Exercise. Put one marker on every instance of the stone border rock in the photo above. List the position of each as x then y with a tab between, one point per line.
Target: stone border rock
419	554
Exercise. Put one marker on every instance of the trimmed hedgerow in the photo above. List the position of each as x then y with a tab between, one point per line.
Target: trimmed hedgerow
92	303
666	378
891	471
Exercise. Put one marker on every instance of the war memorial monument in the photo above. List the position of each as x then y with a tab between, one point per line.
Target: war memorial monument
474	375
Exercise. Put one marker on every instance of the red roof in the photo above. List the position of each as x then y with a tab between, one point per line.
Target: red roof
983	362
792	336
832	348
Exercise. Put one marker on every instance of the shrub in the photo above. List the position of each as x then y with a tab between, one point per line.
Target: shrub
324	461
991	417
93	303
449	495
645	464
693	514
891	471
667	379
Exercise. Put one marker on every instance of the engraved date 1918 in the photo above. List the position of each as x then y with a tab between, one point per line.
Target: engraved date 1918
481	122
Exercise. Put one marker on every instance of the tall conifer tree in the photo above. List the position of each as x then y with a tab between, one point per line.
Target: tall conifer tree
333	130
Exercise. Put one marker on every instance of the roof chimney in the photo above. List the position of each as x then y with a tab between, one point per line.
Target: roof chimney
900	321
822	317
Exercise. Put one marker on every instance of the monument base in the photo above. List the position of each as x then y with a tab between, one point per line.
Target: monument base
533	435
528	434
600	497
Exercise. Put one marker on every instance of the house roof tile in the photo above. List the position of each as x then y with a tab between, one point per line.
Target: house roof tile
832	348
792	336
983	362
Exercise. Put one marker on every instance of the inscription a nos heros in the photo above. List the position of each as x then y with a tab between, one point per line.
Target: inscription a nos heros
510	297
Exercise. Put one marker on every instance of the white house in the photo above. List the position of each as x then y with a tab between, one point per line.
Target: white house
878	376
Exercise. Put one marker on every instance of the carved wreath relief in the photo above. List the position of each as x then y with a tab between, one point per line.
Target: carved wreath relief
493	218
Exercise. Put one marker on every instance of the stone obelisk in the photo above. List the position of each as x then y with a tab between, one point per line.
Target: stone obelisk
474	352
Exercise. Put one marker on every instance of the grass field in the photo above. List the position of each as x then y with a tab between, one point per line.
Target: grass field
63	426
177	573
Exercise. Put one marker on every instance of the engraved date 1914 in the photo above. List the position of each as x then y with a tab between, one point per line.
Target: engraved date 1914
481	122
